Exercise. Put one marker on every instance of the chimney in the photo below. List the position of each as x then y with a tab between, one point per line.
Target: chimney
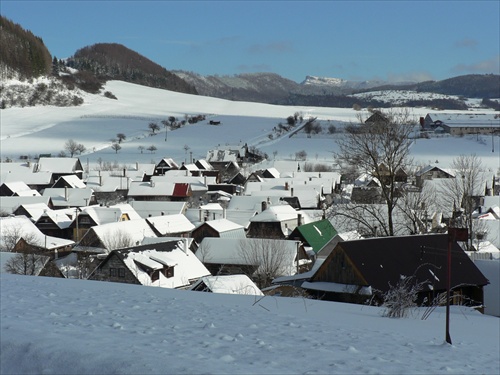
286	186
205	180
66	193
223	212
124	172
137	165
100	179
185	247
299	220
263	206
291	192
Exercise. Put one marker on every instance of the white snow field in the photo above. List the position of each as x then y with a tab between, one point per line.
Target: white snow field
69	326
34	130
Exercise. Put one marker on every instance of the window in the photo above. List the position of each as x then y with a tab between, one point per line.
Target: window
169	272
121	272
112	272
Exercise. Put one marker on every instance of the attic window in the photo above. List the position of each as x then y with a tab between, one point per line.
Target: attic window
168	272
155	275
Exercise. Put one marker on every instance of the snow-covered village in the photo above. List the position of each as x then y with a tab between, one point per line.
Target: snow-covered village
146	230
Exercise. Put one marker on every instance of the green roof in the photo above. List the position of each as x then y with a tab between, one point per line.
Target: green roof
318	233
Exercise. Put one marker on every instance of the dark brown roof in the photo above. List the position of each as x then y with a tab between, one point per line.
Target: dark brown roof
383	260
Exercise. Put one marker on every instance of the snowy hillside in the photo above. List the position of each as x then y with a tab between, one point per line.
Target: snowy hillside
56	326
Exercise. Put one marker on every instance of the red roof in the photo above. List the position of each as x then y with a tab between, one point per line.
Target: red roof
181	190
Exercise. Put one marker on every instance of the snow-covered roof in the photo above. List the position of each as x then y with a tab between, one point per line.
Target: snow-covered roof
22	227
171	224
58	165
227	228
228	284
187	267
10	204
466	119
162	188
25	175
20	188
73	181
280	212
67	197
157	208
248	251
135	230
110	214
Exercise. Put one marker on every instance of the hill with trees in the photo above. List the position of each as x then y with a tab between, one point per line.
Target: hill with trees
22	52
111	61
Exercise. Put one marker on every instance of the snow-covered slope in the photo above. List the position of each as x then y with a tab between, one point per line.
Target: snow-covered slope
57	326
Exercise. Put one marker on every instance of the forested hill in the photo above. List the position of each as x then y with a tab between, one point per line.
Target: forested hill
21	52
111	61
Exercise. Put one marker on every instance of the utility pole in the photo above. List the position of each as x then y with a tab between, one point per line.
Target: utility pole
454	234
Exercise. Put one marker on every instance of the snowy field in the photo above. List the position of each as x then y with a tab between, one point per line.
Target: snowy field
34	130
56	326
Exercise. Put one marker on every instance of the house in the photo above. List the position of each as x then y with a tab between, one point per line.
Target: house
55	223
170	225
32	211
65	197
377	118
98	215
163	264
117	235
164	165
59	166
10	204
157	208
463	123
359	270
19	234
315	234
276	221
17	189
431	172
221	228
70	181
227	284
260	259
14	172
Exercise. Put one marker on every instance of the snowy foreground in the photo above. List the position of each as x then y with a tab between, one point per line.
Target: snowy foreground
56	326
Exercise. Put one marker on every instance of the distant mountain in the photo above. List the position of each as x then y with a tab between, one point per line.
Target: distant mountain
108	61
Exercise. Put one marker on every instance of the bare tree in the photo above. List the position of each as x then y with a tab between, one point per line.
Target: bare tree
416	205
379	149
121	137
80	148
141	149
152	149
117	239
461	192
269	258
116	147
153	126
26	263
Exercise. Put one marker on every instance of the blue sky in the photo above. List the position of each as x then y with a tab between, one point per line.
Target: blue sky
356	40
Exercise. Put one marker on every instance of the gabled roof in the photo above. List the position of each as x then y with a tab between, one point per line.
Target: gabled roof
382	261
20	188
34	210
227	284
187	266
26	175
317	234
170	224
135	230
214	250
58	217
67	197
429	168
181	190
157	208
280	212
226	228
22	227
110	214
150	189
10	204
204	165
72	181
59	165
